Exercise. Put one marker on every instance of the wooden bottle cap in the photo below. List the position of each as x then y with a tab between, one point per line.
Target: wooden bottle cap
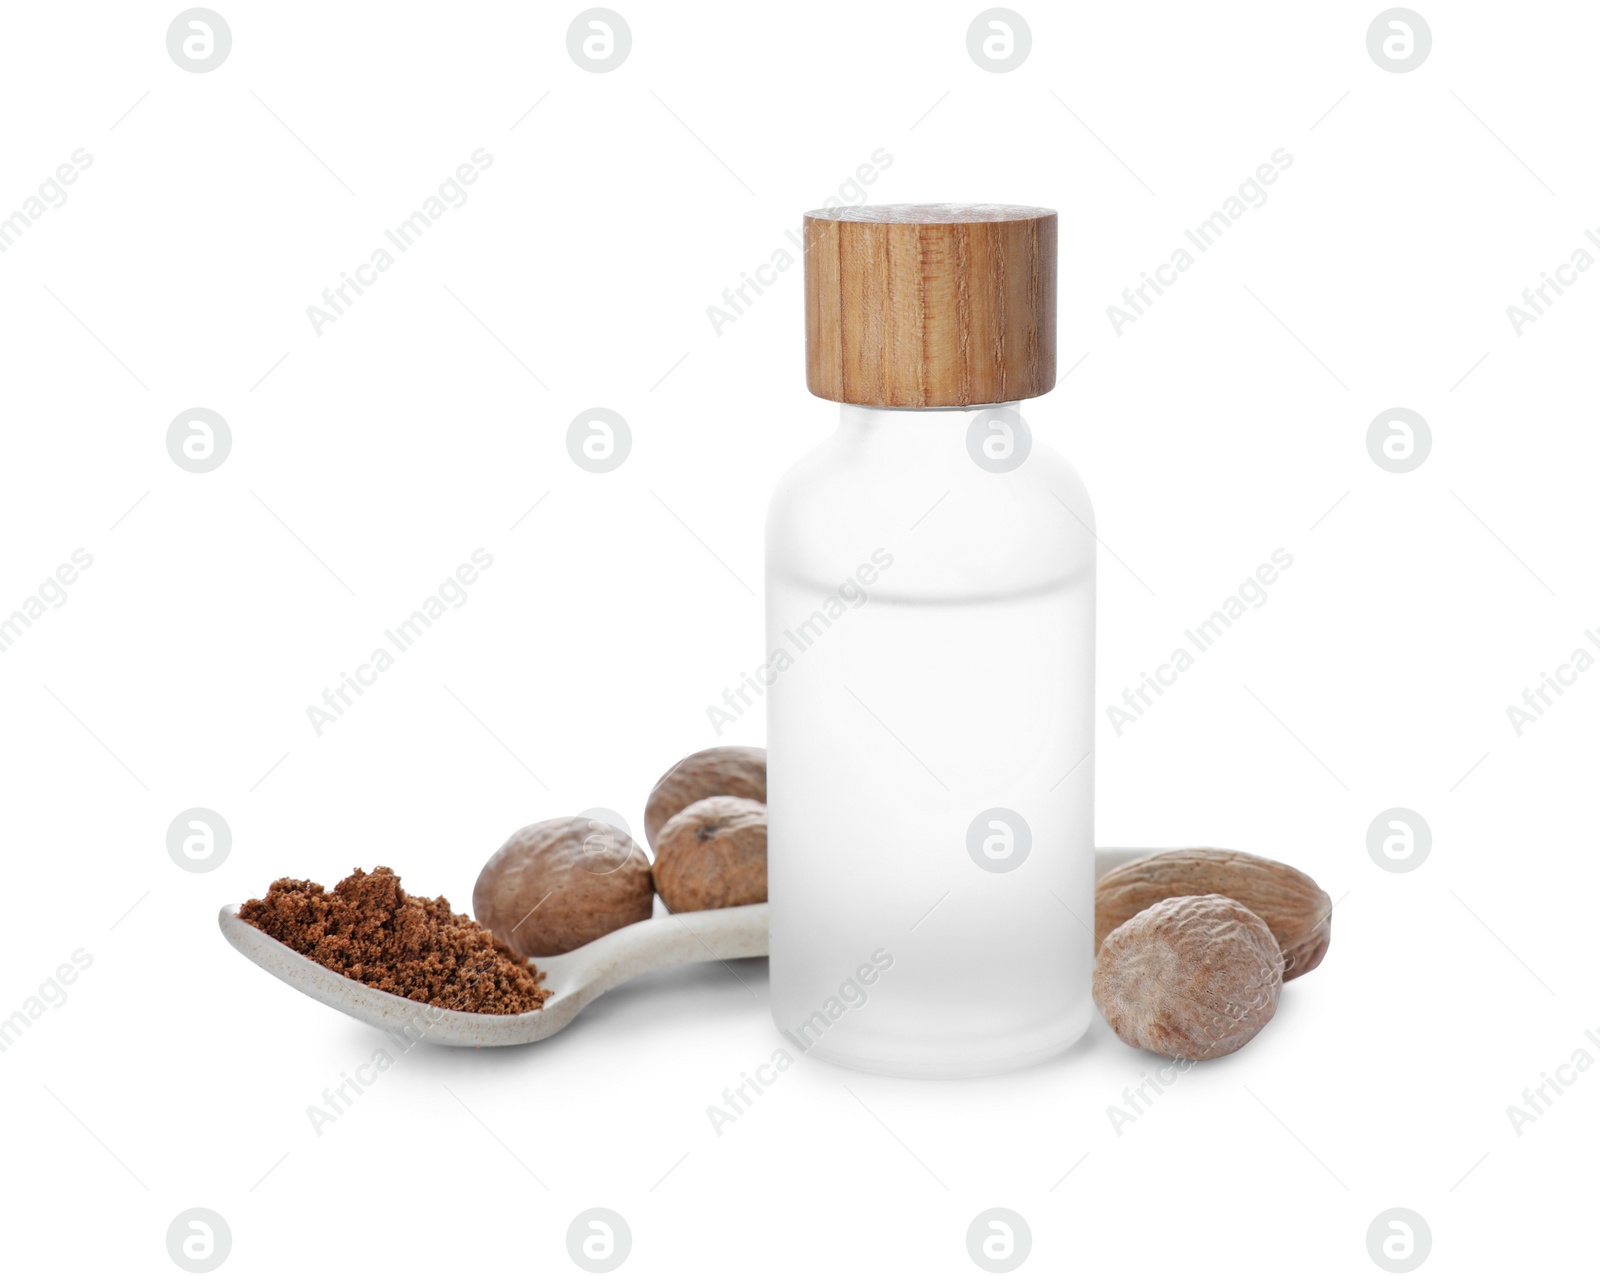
929	305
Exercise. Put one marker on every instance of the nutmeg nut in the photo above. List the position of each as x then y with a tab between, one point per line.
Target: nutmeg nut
712	772
1298	911
713	855
561	883
1193	976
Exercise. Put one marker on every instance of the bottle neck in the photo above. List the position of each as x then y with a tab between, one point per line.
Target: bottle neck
873	418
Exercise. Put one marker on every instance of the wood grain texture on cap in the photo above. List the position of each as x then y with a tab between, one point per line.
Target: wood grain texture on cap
930	305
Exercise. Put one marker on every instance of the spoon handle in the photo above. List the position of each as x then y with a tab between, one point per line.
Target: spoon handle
707	935
704	936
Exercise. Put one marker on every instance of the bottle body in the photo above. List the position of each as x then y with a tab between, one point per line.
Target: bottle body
930	630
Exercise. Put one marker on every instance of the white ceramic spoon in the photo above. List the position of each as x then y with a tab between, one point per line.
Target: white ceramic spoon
575	979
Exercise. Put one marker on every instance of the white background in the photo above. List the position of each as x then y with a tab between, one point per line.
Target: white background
368	462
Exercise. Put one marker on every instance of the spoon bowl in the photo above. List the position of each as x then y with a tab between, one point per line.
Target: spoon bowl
574	979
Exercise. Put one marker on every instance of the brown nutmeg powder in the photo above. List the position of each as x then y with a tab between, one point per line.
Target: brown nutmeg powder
370	929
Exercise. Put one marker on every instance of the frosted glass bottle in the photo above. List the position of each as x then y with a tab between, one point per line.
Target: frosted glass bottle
930	628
